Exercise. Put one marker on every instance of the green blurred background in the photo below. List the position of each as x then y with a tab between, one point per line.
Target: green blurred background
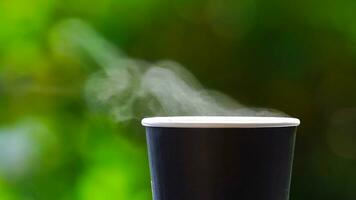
298	57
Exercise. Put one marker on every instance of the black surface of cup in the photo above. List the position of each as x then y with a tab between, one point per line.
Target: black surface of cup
220	163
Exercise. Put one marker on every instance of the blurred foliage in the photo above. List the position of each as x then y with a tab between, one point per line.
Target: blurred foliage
298	57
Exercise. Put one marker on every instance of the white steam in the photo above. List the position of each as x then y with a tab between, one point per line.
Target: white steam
130	88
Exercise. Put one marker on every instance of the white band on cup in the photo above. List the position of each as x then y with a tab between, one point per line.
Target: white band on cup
219	122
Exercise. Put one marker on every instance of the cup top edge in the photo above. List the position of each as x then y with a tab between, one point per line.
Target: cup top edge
220	122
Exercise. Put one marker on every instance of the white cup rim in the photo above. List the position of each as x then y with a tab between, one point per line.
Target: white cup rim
220	122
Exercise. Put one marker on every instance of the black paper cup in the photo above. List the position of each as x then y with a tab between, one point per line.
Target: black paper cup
220	158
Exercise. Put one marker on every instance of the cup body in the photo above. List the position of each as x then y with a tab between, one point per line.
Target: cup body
211	163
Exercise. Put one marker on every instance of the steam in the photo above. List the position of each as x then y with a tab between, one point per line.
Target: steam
131	88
